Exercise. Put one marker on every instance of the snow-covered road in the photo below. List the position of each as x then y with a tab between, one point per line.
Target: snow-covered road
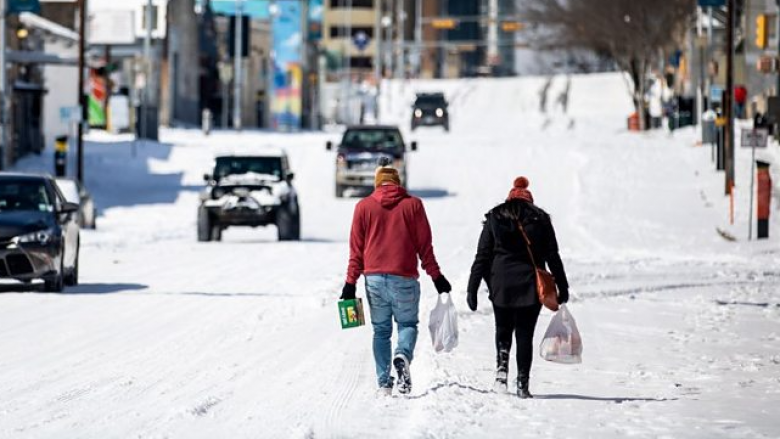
170	338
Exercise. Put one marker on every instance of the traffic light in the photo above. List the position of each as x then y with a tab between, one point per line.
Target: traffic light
761	31
444	23
511	26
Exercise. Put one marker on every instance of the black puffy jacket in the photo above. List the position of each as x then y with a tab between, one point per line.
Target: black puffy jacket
502	258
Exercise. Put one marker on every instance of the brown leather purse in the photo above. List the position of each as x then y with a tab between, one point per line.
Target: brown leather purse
545	282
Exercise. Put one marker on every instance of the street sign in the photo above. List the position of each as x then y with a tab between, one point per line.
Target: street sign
19	6
70	114
361	40
756	138
112	27
716	94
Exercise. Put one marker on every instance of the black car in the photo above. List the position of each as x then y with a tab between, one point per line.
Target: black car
77	193
250	190
430	109
39	232
360	150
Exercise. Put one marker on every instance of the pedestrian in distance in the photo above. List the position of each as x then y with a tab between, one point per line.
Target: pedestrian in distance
390	231
504	262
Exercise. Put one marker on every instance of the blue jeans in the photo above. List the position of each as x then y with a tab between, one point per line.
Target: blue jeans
392	297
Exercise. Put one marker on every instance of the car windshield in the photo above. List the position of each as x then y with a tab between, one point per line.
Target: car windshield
373	139
430	101
24	196
245	165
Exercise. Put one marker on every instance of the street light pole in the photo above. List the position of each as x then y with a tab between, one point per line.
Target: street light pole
147	69
82	97
3	80
729	99
237	74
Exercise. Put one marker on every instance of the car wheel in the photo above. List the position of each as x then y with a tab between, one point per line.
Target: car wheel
339	191
72	279
57	283
216	232
288	225
204	225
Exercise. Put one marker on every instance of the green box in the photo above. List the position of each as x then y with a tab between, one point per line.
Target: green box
351	313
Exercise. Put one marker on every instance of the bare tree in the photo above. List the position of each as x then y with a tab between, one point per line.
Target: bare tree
634	33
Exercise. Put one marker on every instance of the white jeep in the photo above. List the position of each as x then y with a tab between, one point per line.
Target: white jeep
249	190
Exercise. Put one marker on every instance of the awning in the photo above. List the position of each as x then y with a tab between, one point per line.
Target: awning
37	57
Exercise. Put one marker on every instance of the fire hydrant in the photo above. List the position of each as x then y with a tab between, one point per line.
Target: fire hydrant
764	181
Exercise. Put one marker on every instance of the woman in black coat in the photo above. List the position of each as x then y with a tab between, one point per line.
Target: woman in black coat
504	263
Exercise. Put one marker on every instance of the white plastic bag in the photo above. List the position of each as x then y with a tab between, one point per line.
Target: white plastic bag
562	342
444	324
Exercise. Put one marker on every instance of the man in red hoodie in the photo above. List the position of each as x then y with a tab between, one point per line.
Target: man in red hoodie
389	232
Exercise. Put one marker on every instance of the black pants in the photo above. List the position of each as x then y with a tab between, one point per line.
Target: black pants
521	321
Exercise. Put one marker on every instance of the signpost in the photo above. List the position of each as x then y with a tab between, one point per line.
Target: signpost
755	138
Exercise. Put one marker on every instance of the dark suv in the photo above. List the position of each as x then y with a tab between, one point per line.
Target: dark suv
360	150
430	109
250	190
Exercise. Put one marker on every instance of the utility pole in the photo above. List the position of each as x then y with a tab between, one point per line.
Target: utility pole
709	56
728	110
3	81
82	96
399	39
147	95
237	58
418	36
700	92
777	90
492	34
378	43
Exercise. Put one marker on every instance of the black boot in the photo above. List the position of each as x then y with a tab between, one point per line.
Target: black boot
522	388
502	370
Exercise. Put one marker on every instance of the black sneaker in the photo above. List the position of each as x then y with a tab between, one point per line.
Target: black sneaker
404	377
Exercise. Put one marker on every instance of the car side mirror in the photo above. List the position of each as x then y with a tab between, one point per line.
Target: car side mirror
290	176
328	145
68	207
414	146
207	177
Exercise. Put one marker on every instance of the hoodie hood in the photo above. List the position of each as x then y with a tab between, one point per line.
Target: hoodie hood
389	195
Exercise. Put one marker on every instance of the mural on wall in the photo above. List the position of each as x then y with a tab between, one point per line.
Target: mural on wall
315	20
96	99
288	78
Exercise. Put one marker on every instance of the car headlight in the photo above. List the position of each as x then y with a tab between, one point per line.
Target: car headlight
341	161
439	112
40	237
418	113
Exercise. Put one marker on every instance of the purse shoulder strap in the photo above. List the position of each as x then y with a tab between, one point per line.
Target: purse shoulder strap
527	243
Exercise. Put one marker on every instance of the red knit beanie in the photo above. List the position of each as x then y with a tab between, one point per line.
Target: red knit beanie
520	190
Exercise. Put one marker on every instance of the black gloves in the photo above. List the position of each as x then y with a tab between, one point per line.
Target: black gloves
442	285
471	299
348	292
563	296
